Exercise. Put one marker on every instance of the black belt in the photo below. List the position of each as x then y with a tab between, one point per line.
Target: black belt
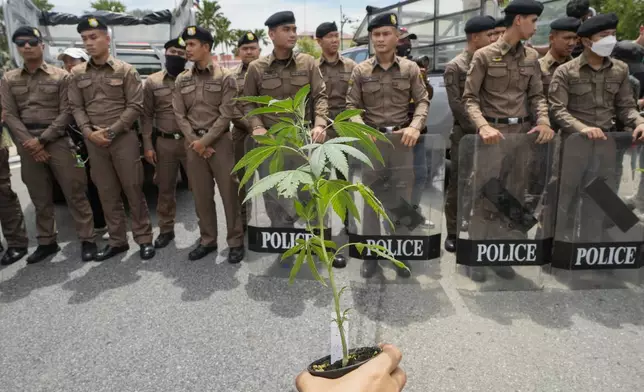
175	136
508	120
389	129
33	127
202	132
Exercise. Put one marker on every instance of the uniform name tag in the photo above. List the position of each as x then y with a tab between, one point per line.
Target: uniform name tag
270	76
369	79
498	65
299	73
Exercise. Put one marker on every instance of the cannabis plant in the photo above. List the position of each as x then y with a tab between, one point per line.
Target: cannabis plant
316	179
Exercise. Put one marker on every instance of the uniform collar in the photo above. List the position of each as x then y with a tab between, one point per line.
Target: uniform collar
374	61
550	60
272	58
166	75
583	60
209	68
324	60
110	61
507	48
43	67
468	55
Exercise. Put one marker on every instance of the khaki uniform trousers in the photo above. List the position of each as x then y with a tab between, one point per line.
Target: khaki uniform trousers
203	175
117	169
11	218
170	154
240	143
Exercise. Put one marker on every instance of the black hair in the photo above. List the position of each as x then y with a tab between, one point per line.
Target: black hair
577	8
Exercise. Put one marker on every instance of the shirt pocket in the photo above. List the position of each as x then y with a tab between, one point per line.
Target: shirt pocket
188	93
401	91
271	87
113	87
525	74
611	90
212	93
48	94
497	79
297	82
86	88
581	96
372	93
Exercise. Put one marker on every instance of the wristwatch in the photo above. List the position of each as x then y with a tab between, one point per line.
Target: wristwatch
111	134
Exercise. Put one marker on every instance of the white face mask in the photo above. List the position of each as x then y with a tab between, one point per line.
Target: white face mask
604	47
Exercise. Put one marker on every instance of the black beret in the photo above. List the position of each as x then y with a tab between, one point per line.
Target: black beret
175	43
566	24
500	22
91	23
404	33
479	23
280	18
628	51
247	38
382	21
598	24
325	28
196	32
26	31
524	7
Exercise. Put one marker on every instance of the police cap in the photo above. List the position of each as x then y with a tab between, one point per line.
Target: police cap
247	38
479	23
500	22
382	21
629	52
91	23
404	33
279	19
325	28
26	31
567	23
197	32
175	43
524	7
598	24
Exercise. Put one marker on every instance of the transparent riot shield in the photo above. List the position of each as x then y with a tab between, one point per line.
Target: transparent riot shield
410	187
506	198
274	226
599	232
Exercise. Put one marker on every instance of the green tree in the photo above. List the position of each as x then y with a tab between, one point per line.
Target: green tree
261	36
308	45
224	35
630	13
208	12
43	5
108	5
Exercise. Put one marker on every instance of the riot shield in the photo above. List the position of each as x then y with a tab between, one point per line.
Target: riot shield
506	198
274	226
599	232
410	187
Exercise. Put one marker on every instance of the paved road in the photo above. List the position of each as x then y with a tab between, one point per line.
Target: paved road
172	325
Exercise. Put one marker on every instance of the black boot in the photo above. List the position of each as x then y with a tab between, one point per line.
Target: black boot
110	251
450	243
201	251
339	261
146	251
369	268
12	255
164	240
42	252
236	255
88	251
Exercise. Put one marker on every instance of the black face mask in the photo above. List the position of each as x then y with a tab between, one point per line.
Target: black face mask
174	64
403	50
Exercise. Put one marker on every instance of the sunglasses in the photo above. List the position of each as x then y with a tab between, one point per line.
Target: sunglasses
31	41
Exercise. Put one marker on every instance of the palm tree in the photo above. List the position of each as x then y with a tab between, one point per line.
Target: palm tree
208	12
261	36
224	34
108	5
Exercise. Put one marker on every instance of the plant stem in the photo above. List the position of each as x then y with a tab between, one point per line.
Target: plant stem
336	297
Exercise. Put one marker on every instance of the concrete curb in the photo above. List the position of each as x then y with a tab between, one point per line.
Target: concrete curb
14	159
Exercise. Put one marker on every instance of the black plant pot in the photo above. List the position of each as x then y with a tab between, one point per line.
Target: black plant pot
362	356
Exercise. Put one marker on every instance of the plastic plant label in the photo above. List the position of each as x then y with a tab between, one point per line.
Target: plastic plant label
336	341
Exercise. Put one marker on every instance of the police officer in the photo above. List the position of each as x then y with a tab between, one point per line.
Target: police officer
248	50
35	102
383	86
106	98
11	218
479	31
563	38
499	29
204	107
336	70
503	94
281	75
170	151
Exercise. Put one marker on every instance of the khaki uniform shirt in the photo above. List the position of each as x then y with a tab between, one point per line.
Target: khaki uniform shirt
282	80
505	82
385	94
240	77
455	75
336	77
581	97
108	95
548	65
157	107
36	98
204	101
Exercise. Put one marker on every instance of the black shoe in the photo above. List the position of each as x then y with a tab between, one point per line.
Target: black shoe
12	255
147	251
200	252
163	240
110	251
339	261
236	255
88	251
404	272
505	272
42	252
369	268
450	243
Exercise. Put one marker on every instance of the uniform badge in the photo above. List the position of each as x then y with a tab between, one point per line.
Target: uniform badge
92	22
393	19
250	36
181	42
37	33
192	30
497	59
